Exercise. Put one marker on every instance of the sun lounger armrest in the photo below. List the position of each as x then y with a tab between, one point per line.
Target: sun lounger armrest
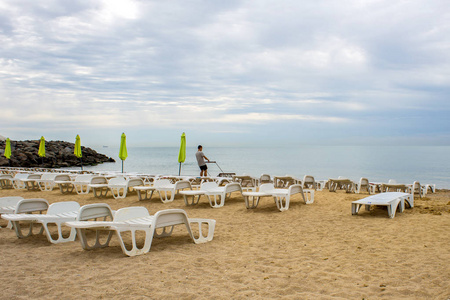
211	226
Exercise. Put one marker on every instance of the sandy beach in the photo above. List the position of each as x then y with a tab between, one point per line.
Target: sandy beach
317	251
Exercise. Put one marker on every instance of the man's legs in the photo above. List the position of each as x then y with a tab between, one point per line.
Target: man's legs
203	171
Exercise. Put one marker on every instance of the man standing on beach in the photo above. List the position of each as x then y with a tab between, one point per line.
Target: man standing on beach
201	161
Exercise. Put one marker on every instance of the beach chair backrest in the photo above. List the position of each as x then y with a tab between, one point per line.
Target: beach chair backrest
83	178
265	187
129	213
206	186
62	207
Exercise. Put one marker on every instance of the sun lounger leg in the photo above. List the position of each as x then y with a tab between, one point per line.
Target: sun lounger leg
144	195
219	200
308	196
355	208
6	184
32	186
251	201
84	241
45	186
191	200
282	202
166	197
410	200
18	229
393	207
391	210
82	189
66	188
9	226
134	249
100	192
333	187
60	238
165	233
119	193
211	226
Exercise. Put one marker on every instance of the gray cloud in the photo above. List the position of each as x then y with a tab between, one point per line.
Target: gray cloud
372	71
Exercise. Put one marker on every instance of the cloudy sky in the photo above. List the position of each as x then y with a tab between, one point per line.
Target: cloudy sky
266	72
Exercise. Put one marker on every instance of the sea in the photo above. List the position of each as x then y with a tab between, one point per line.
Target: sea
404	164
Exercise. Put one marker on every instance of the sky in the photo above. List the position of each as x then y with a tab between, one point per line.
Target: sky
227	73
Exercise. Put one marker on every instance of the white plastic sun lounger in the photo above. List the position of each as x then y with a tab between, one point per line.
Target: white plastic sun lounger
364	184
390	199
31	182
429	187
81	183
6	181
99	186
218	195
145	192
416	188
309	182
282	197
284	181
248	183
120	186
192	197
26	181
168	190
135	219
341	184
17	182
48	180
65	183
252	198
8	205
28	206
57	213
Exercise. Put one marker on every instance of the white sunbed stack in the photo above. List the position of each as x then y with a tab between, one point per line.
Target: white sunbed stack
392	200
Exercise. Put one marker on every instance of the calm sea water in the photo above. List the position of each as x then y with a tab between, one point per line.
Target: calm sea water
427	164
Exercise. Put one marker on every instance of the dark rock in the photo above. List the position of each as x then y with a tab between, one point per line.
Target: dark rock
58	154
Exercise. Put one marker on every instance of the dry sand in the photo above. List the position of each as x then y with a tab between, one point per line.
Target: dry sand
317	251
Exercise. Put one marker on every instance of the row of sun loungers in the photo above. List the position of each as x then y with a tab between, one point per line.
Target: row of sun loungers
47	181
280	188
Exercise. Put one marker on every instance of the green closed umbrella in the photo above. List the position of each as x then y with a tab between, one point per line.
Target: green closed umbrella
123	148
182	153
8	149
41	151
77	150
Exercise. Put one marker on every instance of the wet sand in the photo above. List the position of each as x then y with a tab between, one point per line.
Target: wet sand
317	251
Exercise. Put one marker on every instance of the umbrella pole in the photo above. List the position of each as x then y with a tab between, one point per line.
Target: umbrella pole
122	166
179	170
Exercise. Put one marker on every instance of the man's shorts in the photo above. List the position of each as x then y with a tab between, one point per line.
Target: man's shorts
203	168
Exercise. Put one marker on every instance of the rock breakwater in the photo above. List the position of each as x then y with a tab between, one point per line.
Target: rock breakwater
58	154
